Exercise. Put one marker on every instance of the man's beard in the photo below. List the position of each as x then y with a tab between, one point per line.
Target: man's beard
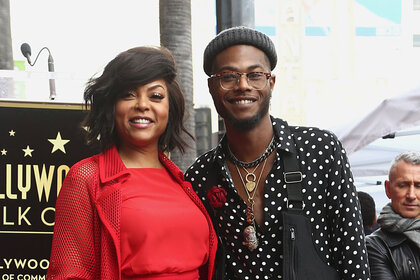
252	122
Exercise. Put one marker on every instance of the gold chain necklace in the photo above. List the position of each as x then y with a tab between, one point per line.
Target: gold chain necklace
250	178
250	233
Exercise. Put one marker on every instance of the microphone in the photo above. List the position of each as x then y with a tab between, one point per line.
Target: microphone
26	51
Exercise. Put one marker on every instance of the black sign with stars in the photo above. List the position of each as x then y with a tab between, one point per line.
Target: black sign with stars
39	142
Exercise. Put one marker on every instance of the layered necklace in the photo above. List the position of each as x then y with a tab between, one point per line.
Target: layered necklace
250	184
270	148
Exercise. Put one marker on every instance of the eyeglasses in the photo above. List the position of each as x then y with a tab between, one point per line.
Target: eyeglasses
229	80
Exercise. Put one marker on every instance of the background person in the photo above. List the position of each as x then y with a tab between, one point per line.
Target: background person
241	181
127	213
394	249
368	208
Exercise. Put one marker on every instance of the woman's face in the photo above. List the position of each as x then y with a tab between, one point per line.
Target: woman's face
141	115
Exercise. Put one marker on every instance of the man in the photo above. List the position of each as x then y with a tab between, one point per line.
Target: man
394	249
368	208
241	181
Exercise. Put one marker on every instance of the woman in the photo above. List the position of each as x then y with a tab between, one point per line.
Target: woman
127	213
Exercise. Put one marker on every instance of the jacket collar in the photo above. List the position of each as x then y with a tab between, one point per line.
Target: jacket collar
171	167
283	136
392	239
111	166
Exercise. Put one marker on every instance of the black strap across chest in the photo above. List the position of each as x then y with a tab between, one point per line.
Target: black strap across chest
293	180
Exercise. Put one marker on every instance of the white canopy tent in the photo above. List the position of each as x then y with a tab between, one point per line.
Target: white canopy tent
371	144
390	116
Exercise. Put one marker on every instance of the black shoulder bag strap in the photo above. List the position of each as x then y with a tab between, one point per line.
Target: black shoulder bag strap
300	259
293	180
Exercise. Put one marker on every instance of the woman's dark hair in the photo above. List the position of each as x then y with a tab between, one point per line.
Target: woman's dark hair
129	70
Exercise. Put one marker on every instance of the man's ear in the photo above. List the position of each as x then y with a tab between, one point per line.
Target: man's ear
210	84
272	81
388	188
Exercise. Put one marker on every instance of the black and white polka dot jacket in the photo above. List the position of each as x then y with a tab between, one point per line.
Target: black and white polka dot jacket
329	194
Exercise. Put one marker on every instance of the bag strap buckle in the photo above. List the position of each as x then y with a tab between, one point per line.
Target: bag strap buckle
293	177
292	206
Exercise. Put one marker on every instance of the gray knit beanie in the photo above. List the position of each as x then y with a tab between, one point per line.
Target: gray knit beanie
239	35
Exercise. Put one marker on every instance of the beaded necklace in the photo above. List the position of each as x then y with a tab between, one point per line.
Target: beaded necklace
250	233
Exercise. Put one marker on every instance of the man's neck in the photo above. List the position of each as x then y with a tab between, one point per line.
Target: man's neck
249	145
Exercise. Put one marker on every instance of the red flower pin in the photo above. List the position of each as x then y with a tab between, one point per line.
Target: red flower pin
216	196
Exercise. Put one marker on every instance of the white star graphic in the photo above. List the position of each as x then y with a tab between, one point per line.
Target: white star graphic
12	132
3	152
28	151
58	143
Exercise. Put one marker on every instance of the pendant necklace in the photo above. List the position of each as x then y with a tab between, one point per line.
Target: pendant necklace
250	178
250	233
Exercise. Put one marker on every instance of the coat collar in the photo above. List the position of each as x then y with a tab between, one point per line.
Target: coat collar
392	239
111	166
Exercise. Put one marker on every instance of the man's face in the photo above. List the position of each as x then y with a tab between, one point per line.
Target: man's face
403	188
242	107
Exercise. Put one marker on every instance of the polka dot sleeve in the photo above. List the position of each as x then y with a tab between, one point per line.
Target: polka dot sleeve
348	247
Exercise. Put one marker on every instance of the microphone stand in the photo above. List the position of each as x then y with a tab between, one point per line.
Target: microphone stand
51	81
50	69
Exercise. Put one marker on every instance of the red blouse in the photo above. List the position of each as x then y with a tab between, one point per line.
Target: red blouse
86	242
163	233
